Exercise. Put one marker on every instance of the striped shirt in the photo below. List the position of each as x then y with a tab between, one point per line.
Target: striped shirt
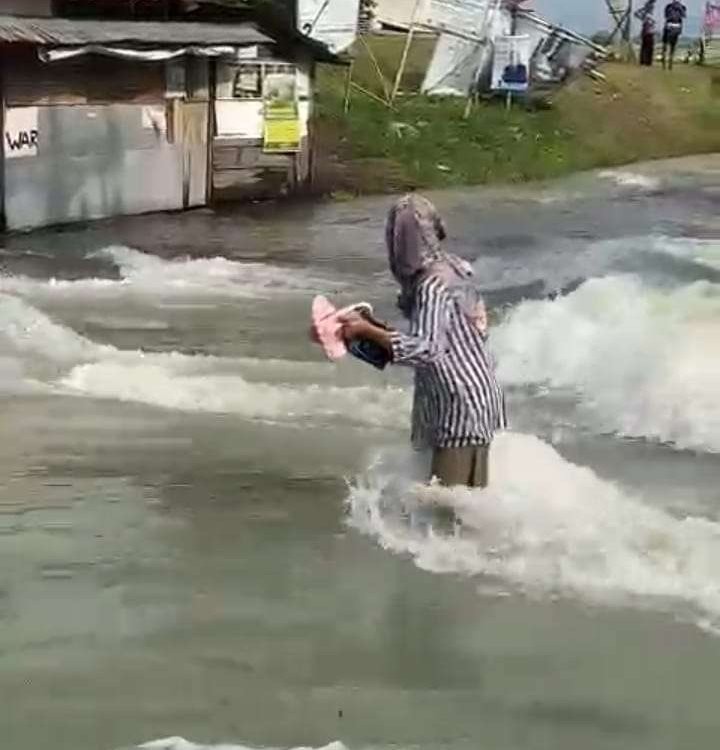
458	401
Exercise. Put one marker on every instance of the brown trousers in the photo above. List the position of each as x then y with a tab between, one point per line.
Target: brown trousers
461	466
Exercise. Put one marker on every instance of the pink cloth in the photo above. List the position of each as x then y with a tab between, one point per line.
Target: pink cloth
712	18
480	318
326	328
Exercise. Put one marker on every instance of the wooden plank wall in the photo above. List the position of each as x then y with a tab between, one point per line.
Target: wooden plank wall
85	80
242	170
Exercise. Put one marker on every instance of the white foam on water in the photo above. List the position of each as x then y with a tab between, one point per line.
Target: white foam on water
216	273
645	362
149	275
24	334
546	528
122	323
704	251
15	381
31	342
178	743
622	178
30	333
157	384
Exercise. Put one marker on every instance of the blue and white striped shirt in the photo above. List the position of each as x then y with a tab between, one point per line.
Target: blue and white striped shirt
458	401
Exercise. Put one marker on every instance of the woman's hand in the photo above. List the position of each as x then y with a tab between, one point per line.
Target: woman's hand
357	327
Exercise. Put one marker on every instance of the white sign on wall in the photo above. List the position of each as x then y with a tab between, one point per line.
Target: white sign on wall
21	132
239	119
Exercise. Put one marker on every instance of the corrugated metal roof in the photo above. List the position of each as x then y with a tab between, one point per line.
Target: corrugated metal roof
61	31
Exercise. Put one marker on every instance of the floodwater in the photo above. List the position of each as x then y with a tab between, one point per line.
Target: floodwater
207	532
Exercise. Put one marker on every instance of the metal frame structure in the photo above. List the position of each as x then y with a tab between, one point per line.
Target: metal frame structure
621	13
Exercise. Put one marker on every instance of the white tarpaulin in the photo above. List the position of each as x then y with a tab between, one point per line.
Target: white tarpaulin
396	14
458	59
452	69
332	22
151	55
465	18
618	7
552	53
462	17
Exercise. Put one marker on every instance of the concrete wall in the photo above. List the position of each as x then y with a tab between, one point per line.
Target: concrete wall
87	162
26	7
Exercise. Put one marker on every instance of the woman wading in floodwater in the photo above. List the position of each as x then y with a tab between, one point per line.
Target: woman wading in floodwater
458	404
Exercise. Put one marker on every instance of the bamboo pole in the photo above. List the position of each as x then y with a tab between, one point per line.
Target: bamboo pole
348	83
490	10
371	95
378	69
406	50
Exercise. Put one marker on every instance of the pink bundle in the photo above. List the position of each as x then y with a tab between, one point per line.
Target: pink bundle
326	328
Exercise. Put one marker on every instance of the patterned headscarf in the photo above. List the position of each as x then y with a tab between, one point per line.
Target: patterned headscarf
413	234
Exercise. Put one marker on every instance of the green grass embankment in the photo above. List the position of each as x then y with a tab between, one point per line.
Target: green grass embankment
637	114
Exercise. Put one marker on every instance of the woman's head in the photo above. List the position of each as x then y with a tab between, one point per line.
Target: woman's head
413	234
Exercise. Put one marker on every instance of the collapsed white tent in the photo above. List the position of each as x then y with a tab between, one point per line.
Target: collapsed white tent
468	30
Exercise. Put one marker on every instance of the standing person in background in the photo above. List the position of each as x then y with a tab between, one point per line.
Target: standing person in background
647	47
458	404
675	15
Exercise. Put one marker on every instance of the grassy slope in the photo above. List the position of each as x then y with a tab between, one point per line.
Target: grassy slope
637	114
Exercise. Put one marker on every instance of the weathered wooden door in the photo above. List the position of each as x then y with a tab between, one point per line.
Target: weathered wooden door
194	129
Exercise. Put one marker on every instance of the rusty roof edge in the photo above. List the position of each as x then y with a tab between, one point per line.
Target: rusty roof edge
71	32
62	31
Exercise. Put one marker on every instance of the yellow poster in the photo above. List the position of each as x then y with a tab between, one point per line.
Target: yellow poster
282	118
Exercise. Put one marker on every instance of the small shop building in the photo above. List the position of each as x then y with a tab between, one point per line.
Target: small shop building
110	117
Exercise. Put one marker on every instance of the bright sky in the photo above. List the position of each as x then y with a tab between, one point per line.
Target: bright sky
592	15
